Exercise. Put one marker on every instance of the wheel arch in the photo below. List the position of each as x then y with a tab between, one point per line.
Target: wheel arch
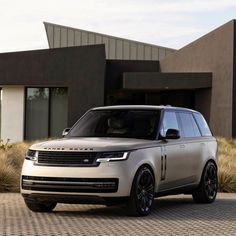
150	167
211	159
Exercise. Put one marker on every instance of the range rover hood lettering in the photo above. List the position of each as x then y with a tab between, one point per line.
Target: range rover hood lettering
94	144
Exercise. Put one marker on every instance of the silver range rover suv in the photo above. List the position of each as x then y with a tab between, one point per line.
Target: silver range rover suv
124	154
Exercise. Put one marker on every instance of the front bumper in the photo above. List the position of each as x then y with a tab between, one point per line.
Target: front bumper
75	185
111	179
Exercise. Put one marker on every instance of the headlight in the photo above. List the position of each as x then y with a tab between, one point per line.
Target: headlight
113	156
31	155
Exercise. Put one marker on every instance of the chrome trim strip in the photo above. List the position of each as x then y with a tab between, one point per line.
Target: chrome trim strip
69	183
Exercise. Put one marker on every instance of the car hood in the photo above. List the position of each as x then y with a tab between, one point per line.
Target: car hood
94	144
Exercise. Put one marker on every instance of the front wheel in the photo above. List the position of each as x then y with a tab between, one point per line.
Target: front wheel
142	193
207	189
36	206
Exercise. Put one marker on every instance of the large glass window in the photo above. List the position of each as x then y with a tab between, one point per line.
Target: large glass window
189	126
58	111
45	112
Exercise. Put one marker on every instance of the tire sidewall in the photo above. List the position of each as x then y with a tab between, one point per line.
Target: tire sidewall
134	191
203	183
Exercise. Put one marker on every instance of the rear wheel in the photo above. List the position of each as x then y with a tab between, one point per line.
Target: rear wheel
142	193
207	189
36	206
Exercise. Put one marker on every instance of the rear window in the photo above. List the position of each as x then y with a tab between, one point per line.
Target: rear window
202	124
189	126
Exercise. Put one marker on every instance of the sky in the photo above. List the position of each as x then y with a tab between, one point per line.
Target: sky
168	23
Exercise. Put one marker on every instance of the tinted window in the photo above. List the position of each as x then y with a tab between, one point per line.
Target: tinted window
45	112
169	122
202	125
189	126
58	110
37	107
140	124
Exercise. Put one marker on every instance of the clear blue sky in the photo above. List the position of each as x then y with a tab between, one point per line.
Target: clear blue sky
170	23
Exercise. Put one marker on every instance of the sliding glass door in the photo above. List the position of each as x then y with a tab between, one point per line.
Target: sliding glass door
45	112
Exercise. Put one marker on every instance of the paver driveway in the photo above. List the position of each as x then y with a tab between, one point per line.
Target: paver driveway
175	215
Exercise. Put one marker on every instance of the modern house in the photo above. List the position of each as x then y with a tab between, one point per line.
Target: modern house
44	91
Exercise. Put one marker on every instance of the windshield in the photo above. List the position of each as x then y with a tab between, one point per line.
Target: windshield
140	124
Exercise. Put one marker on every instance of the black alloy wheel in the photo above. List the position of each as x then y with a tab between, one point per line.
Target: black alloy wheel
207	190
142	193
210	181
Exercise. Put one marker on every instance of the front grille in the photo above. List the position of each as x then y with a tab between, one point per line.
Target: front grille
79	185
60	158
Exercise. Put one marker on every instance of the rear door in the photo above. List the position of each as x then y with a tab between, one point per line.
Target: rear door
194	145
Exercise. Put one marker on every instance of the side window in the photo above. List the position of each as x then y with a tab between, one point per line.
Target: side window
202	124
189	126
169	122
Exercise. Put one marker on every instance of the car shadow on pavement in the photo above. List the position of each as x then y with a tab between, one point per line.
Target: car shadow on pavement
163	209
187	209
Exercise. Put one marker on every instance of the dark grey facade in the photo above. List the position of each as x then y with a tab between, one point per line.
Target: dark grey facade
80	69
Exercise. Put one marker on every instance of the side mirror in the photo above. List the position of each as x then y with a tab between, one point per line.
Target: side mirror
172	134
65	132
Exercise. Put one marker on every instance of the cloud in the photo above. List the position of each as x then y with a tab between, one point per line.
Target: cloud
171	23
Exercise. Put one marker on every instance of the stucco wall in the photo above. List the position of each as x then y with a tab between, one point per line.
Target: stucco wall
211	53
12	114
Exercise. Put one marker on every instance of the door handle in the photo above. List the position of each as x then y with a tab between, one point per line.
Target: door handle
182	146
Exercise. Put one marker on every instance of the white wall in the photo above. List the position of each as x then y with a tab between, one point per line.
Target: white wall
12	114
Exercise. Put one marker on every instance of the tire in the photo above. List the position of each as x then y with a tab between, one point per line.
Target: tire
207	189
142	193
35	206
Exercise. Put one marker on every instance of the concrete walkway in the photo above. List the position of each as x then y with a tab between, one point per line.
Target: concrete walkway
175	215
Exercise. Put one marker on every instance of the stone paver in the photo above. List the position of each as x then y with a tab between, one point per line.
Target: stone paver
174	215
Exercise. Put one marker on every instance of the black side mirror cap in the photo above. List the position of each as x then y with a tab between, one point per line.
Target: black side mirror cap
172	134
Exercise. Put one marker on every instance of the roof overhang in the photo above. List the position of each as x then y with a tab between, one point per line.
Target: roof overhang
163	81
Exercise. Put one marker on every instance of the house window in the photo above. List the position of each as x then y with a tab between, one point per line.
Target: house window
45	112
